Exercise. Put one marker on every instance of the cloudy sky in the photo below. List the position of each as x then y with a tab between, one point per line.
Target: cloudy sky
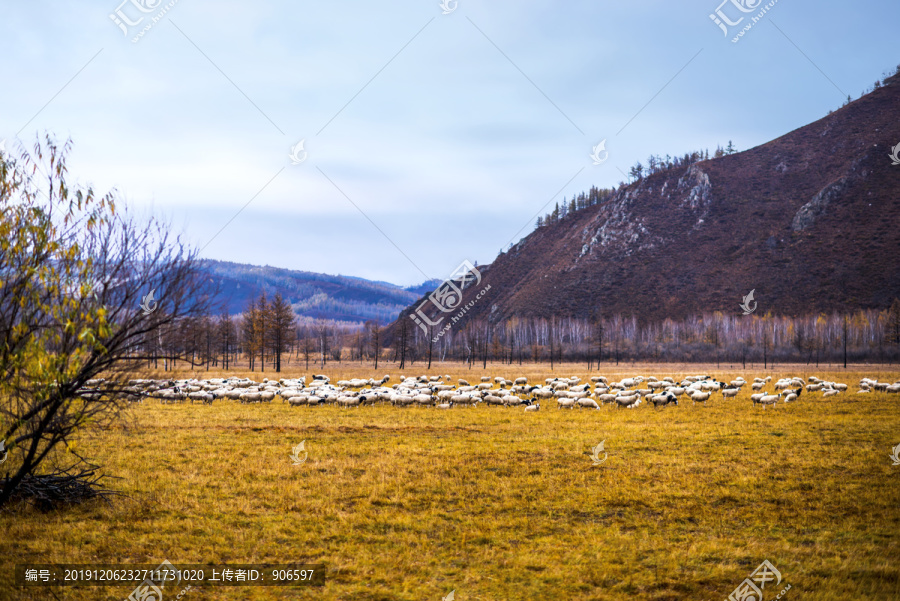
428	138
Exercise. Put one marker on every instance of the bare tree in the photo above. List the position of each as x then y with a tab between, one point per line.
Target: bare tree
403	342
375	337
430	343
307	345
227	335
550	336
893	323
323	340
845	329
598	334
359	345
337	343
83	284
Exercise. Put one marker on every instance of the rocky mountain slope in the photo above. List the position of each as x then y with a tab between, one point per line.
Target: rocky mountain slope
810	220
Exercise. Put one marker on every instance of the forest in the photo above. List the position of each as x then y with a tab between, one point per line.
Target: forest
267	336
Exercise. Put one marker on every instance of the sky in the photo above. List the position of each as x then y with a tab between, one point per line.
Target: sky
392	141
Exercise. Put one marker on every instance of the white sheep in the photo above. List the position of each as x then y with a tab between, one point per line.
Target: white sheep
628	400
663	399
769	399
513	400
793	395
700	397
424	399
465	399
588	403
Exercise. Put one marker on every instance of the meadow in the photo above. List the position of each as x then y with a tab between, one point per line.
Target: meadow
495	503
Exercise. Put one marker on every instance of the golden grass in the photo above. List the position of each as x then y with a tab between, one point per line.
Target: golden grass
409	504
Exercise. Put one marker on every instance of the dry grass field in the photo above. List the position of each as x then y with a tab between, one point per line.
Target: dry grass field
495	503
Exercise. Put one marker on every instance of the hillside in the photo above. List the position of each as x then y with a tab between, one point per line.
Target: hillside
810	220
312	295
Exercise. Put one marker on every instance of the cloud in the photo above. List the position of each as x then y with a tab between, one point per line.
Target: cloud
449	146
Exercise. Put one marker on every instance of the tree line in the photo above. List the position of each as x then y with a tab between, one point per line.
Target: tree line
863	336
267	336
655	164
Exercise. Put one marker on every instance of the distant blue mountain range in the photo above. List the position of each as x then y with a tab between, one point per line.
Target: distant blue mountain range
312	295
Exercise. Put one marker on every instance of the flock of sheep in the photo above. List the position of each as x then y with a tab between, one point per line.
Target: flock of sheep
436	391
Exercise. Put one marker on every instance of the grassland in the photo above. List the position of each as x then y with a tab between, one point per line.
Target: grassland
494	503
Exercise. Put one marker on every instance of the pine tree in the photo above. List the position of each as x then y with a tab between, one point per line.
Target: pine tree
281	324
249	333
637	171
261	326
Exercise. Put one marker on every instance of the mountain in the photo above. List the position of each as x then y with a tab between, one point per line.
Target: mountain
312	295
424	287
810	221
